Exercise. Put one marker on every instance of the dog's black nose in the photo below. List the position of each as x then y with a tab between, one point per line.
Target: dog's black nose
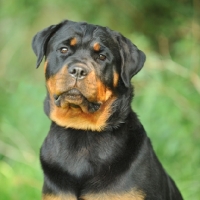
78	72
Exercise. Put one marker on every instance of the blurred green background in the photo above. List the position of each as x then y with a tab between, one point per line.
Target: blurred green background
167	90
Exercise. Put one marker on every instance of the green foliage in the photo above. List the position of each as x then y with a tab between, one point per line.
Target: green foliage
167	90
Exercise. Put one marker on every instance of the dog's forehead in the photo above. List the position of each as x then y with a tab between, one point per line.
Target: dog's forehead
86	32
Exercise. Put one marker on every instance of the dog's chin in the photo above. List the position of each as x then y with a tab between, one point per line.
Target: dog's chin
75	99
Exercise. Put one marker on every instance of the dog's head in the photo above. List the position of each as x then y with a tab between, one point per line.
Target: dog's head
87	68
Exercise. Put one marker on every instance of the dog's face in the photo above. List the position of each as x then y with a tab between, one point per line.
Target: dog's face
87	68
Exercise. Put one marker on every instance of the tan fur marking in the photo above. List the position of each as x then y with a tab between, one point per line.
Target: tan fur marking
55	83
132	195
45	66
73	42
59	197
96	46
76	118
115	79
102	94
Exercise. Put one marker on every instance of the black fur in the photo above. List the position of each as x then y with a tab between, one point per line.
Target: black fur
120	157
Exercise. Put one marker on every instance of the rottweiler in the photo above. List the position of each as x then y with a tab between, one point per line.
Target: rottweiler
96	148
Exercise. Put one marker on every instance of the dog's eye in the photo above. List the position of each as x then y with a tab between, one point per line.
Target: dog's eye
102	57
63	50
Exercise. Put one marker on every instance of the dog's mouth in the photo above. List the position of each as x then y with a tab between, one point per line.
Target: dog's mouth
75	98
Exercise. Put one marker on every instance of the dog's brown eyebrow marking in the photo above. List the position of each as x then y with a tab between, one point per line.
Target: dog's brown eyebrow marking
96	46
73	41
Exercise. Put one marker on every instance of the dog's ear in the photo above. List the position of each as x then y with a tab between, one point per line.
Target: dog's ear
40	41
132	59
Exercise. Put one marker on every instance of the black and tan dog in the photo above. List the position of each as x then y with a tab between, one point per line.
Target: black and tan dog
96	148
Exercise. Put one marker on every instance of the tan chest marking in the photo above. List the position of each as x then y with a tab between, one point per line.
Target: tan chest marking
59	197
131	195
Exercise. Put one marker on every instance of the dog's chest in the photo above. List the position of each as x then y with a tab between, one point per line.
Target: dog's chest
78	157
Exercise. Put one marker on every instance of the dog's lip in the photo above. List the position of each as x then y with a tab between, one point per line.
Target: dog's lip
71	95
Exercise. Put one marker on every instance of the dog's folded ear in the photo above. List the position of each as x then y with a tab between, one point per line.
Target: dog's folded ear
40	41
132	59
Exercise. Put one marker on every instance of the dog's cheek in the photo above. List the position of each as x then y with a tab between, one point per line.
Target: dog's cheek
107	75
103	92
47	72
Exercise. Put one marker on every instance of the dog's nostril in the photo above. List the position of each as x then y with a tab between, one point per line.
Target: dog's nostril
73	71
83	73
